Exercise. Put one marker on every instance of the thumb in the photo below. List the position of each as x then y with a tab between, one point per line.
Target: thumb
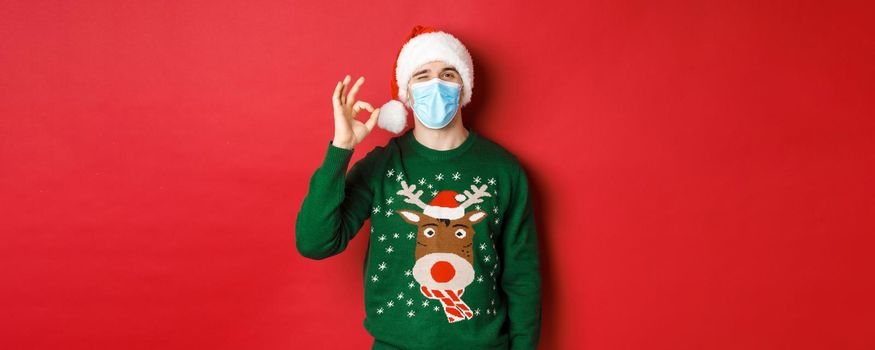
373	119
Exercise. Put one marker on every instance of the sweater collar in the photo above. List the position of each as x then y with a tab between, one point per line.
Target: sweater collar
409	141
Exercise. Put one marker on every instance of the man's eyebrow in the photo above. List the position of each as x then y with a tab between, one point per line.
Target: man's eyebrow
442	70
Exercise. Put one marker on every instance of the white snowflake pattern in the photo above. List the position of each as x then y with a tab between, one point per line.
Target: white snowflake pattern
422	181
483	246
390	200
390	303
388	213
476	179
411	285
390	172
400	295
380	311
437	308
430	186
434	193
399	177
456	175
439	176
382	266
389	249
410	235
374	278
491	181
409	302
497	220
477	312
486	258
395	235
425	303
408	273
495	210
411	313
480	278
377	209
381	238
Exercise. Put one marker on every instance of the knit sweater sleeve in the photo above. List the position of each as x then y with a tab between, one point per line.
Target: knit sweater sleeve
521	279
336	204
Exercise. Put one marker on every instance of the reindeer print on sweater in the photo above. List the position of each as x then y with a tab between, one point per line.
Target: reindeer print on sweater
452	255
443	253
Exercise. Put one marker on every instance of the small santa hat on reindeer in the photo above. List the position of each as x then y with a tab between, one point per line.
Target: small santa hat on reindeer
424	45
446	205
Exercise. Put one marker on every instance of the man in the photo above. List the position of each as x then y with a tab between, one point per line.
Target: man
452	260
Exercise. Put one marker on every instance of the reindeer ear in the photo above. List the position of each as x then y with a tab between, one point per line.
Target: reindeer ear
476	216
410	216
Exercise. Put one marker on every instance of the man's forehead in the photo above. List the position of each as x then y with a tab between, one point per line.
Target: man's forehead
426	68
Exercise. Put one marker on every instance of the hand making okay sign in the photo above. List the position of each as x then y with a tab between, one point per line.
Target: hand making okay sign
349	131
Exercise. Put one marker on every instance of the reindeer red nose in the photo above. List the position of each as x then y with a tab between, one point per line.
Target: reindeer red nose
442	271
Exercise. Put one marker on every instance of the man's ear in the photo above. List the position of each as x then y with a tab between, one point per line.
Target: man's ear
412	217
475	216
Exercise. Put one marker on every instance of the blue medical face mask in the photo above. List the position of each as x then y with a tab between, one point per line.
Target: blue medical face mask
435	102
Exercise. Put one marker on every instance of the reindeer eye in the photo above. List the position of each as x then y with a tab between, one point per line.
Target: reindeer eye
460	233
428	232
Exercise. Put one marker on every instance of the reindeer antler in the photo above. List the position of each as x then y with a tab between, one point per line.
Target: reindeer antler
474	198
412	198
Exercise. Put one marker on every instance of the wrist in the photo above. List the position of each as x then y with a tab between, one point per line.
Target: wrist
342	144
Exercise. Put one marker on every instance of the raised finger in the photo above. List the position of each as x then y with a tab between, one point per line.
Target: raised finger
355	89
344	89
335	99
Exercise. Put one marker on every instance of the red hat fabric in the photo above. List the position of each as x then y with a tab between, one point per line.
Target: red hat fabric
445	205
393	83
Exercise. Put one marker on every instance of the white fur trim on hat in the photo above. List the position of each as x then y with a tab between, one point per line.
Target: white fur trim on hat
444	212
434	46
393	116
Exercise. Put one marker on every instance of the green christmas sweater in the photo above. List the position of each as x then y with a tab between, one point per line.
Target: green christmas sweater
452	260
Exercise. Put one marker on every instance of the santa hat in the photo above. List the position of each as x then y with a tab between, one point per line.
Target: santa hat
446	205
423	45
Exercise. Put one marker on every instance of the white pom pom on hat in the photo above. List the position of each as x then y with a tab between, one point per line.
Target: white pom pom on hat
424	45
393	116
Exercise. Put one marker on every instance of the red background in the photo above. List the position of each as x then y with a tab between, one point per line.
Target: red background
702	170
